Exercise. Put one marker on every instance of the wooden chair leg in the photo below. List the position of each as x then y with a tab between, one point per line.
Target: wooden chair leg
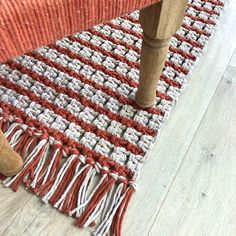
10	161
159	22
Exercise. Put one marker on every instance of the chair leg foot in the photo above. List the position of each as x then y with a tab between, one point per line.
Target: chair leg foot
10	162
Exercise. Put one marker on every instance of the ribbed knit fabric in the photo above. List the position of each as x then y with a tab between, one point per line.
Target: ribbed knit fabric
28	24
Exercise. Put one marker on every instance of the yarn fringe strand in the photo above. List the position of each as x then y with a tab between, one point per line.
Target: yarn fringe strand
92	194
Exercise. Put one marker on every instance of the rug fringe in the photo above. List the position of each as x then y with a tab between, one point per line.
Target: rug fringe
75	186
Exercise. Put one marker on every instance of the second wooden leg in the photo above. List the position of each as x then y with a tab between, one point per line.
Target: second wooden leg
10	161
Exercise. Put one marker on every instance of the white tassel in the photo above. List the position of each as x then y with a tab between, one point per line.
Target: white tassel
96	212
16	138
61	200
40	166
89	198
10	129
50	167
7	182
99	207
107	201
83	190
59	177
104	227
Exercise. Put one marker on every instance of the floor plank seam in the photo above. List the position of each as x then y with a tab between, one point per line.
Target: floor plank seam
16	216
197	129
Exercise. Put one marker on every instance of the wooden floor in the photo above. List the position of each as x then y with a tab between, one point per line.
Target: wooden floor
188	187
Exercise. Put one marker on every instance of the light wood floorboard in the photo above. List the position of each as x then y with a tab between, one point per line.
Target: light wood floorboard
202	199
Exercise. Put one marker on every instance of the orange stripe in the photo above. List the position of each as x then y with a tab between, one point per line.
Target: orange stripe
87	127
83	100
69	143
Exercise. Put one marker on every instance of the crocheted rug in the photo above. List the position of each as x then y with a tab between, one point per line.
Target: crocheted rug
68	109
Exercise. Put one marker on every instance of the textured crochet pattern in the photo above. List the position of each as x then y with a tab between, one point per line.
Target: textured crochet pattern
68	108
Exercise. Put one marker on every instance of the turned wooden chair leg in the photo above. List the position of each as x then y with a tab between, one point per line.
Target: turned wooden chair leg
159	22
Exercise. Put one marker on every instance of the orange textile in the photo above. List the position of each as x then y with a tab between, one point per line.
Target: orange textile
28	24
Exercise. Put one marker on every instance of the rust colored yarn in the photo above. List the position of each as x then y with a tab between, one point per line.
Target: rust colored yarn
29	24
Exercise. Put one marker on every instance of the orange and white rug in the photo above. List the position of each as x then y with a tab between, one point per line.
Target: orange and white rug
68	109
